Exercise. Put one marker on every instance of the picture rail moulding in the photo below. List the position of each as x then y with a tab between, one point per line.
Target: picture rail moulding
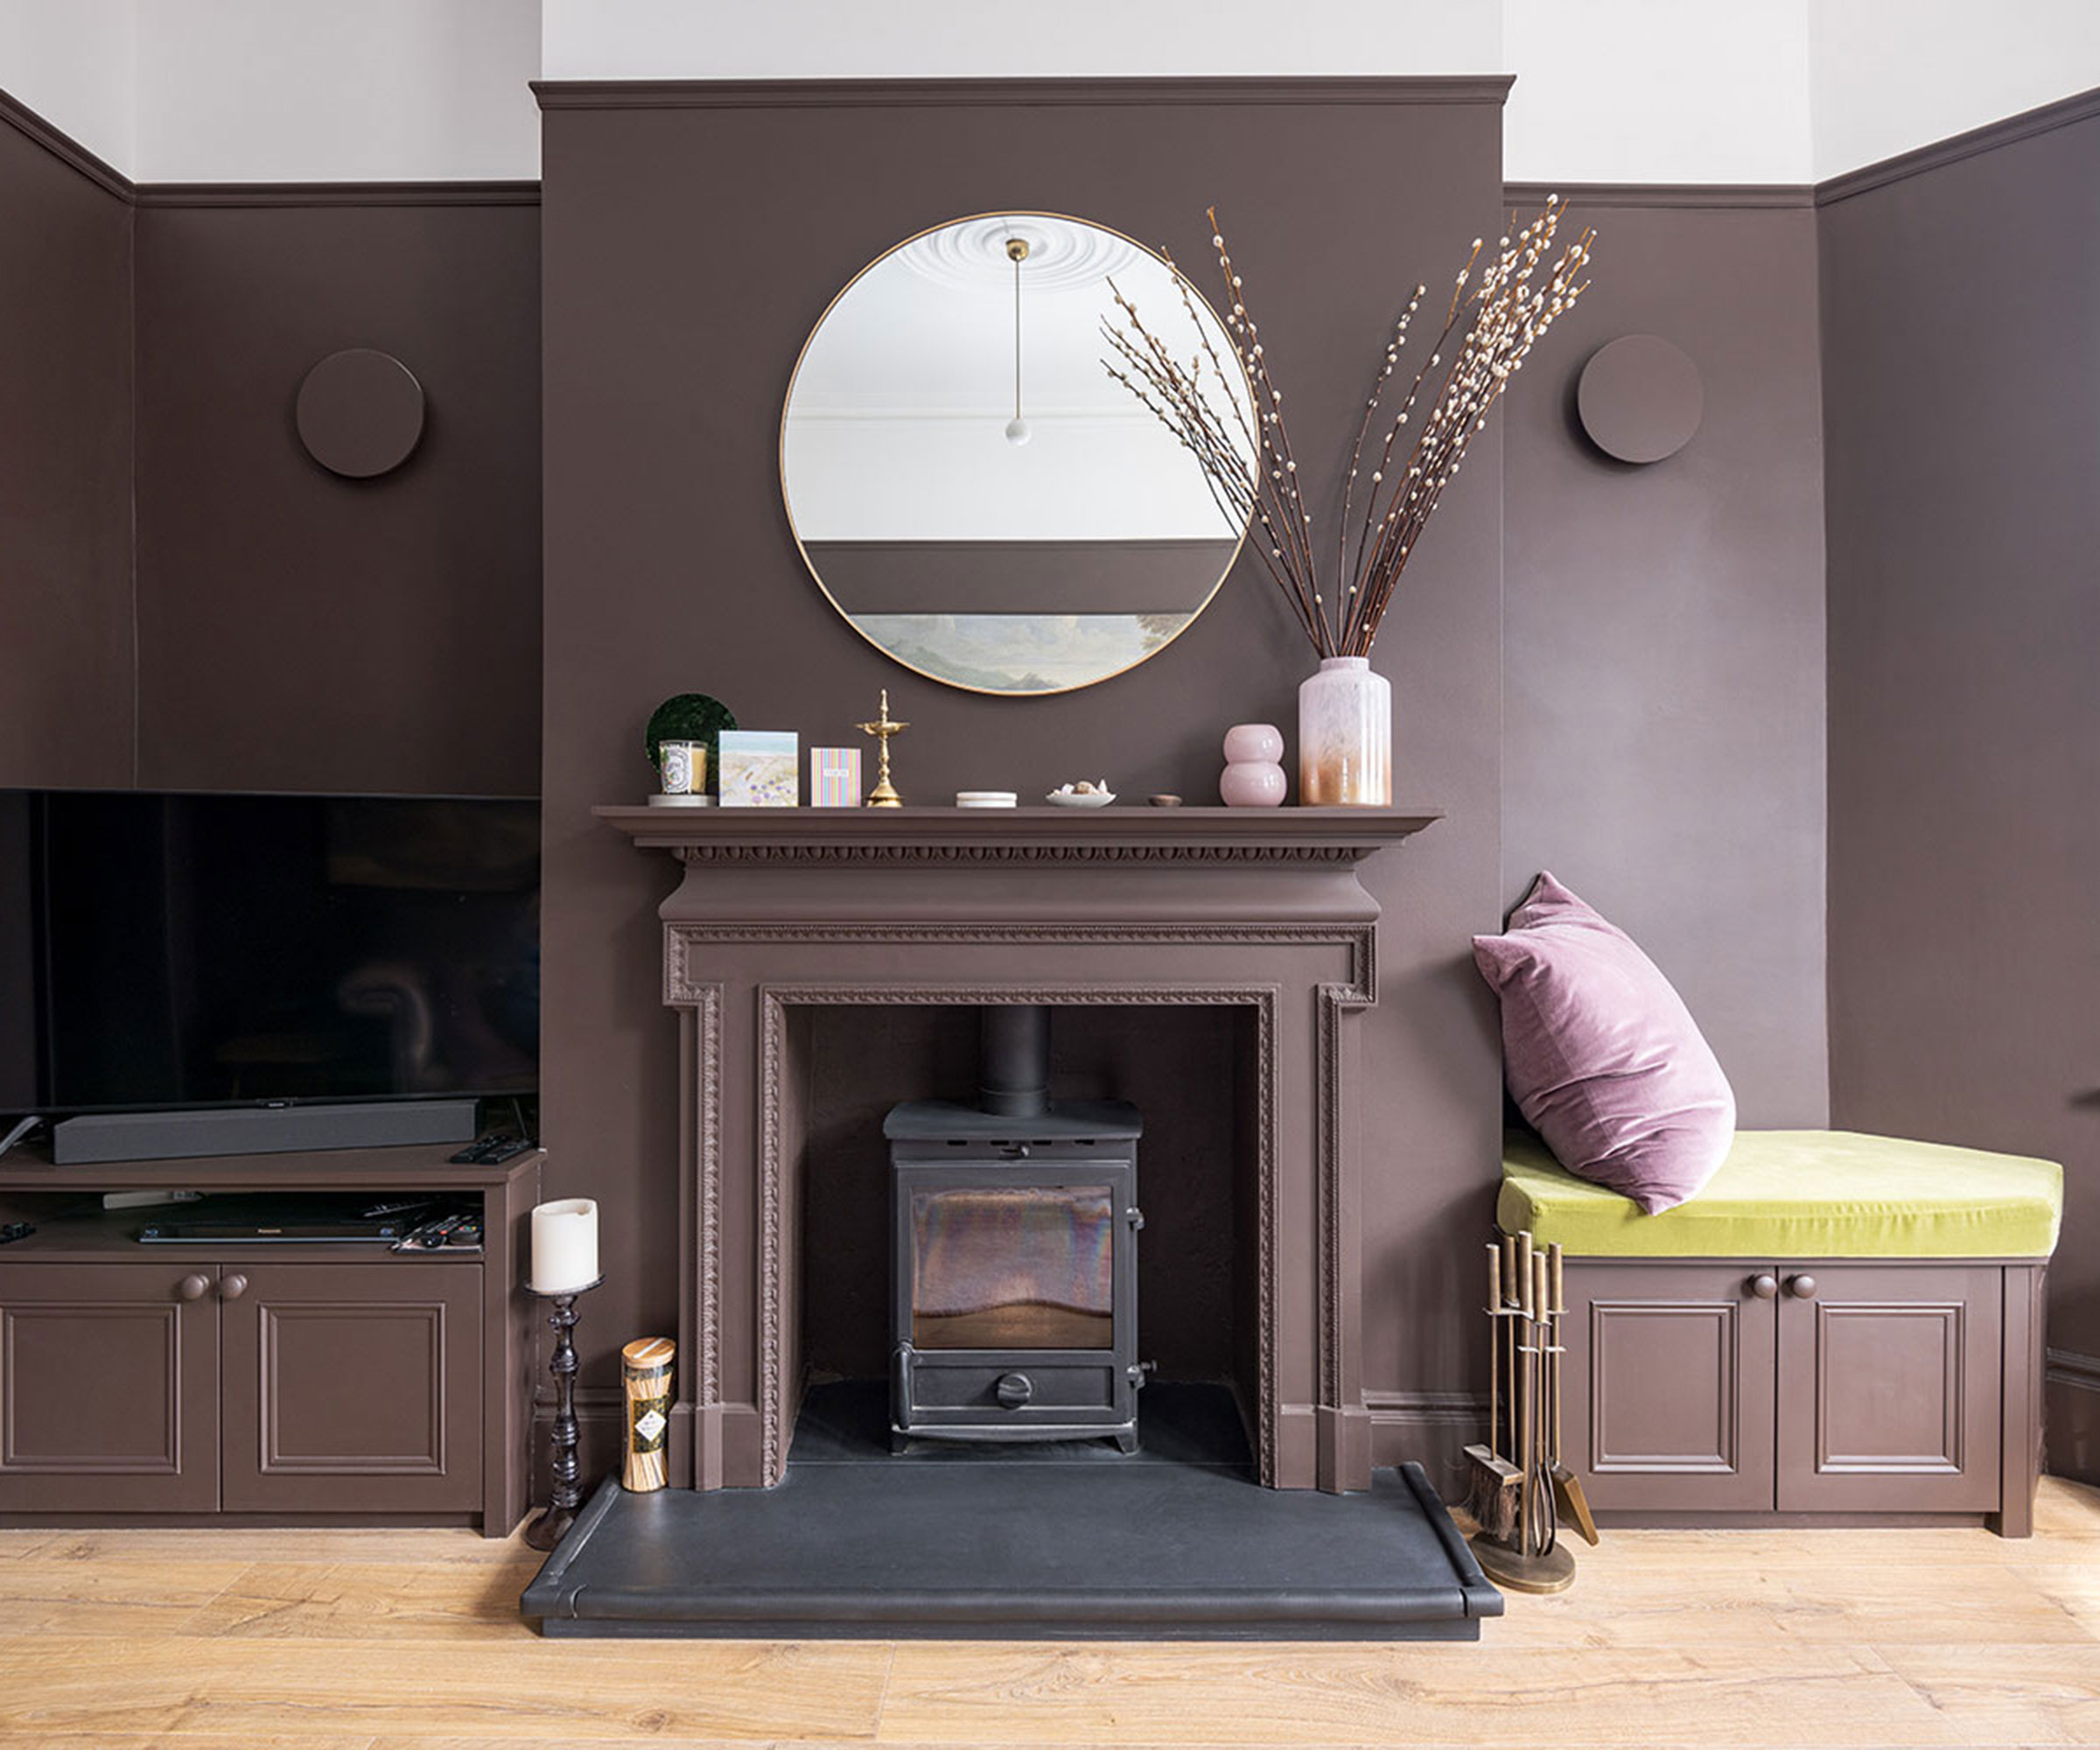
1006	94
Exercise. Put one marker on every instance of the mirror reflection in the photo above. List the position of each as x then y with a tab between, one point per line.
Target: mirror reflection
973	490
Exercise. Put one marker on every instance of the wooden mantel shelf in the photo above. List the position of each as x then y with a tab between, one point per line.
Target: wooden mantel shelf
932	836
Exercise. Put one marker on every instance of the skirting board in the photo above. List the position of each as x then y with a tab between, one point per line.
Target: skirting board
2071	1416
1430	1428
600	1434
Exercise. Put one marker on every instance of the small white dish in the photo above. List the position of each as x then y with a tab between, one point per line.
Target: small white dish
1069	798
987	798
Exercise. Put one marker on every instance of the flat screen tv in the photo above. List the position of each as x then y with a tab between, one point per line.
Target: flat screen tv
159	951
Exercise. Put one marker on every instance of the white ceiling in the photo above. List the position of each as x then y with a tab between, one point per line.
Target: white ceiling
1607	90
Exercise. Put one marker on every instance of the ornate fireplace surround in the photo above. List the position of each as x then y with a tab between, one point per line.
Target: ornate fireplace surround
782	910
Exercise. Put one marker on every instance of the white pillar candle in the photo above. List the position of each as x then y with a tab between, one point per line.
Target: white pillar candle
564	1246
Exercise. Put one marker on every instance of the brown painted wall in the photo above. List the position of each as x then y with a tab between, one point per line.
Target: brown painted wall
1664	646
298	631
687	252
65	469
1960	362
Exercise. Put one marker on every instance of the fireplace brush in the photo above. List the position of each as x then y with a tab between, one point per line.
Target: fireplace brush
1517	1476
1492	1500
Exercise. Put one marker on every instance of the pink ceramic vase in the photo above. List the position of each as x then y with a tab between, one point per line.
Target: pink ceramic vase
1254	770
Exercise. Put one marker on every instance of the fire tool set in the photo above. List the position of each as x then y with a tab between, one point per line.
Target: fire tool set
1520	1486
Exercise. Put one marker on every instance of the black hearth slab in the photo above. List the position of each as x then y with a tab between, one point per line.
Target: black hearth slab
996	1551
847	1422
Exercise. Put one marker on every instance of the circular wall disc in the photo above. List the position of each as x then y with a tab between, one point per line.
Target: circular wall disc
1640	398
359	413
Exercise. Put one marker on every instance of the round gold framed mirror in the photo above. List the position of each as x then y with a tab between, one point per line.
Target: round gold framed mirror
972	488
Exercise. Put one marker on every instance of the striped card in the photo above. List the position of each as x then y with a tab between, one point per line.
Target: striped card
835	778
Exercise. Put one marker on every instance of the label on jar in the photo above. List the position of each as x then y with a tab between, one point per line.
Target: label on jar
649	1425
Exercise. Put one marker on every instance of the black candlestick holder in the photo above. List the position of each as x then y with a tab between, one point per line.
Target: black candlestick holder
546	1531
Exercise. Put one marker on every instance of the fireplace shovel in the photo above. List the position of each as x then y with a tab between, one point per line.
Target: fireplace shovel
1574	1506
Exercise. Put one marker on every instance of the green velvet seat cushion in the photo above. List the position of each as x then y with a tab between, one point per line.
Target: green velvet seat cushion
1803	1194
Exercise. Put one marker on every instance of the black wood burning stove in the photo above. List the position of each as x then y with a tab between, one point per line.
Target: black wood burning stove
1014	1296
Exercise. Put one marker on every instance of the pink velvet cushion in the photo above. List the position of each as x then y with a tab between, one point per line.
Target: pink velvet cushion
1603	1058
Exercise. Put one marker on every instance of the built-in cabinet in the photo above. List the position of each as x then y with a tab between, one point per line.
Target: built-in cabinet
240	1386
108	1389
1708	1389
289	1381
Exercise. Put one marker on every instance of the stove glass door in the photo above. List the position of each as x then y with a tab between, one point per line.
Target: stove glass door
1013	1267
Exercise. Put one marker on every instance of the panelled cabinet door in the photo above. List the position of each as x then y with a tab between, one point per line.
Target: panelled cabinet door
1670	1386
352	1387
109	1388
1889	1388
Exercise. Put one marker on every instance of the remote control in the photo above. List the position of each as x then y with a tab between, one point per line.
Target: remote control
376	1210
488	1150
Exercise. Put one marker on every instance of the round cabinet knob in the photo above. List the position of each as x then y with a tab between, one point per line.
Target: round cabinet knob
1765	1287
192	1287
1014	1390
233	1287
1802	1287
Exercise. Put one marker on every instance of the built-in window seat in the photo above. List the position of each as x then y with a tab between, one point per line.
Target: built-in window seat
1839	1327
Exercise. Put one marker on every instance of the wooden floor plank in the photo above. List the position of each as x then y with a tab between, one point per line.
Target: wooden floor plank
887	1744
527	1689
1869	1603
185	1741
2064	1508
2005	1695
149	1598
368	1600
449	1547
951	1693
2073	1585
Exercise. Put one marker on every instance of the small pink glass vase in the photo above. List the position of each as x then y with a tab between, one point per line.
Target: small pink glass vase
1345	736
1254	770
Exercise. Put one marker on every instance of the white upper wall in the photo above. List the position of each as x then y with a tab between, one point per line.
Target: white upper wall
76	63
1606	91
337	90
963	39
1657	90
1890	75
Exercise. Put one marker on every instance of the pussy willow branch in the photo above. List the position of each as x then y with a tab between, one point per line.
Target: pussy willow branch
1529	282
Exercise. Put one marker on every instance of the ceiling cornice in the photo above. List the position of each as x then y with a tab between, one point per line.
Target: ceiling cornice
1680	194
2025	126
337	194
62	146
1002	94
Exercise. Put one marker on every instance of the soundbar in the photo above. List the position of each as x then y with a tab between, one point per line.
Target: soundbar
267	1233
259	1130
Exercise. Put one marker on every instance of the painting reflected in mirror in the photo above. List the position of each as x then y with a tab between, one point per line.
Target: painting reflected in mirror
971	487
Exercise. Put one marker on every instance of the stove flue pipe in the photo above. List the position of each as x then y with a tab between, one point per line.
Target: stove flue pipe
1013	1062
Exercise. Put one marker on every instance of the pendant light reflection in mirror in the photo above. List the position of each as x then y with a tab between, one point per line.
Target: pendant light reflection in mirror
1017	428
